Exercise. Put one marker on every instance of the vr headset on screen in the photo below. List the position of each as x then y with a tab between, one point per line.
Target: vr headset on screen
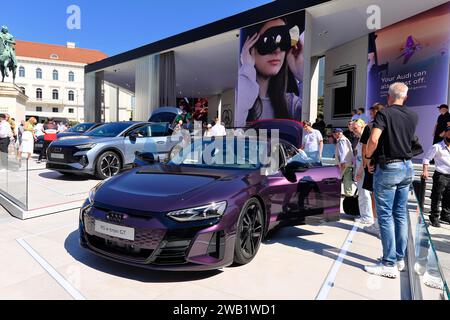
277	37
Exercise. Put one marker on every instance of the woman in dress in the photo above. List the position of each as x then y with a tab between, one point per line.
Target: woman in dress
28	138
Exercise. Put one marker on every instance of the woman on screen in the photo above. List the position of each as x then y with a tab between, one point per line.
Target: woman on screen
271	74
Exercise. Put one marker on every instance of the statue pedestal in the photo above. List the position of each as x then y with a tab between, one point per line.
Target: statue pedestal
12	101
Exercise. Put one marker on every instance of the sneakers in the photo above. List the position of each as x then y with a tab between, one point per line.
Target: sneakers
433	281
382	270
445	219
435	222
364	221
373	229
401	265
419	269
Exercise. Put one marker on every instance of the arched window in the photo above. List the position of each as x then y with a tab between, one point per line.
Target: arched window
22	72
71	96
55	75
22	89
71	76
39	93
55	94
38	73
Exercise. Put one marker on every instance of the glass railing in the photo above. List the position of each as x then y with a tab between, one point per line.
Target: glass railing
14	178
426	273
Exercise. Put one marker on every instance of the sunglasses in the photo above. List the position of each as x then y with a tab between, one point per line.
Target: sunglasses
272	39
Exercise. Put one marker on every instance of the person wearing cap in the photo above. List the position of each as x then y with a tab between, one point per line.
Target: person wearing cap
443	122
440	193
344	158
208	132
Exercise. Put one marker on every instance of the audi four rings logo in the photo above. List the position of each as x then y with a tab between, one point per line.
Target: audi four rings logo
114	216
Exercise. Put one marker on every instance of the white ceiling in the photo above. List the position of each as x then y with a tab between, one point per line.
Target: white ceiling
346	20
207	67
210	66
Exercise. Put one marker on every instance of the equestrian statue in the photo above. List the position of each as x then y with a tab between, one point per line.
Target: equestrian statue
8	61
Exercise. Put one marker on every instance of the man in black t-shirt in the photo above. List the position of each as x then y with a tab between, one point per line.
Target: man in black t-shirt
443	122
320	125
390	145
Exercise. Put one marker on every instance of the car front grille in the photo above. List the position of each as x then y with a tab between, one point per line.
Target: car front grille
172	252
68	153
140	250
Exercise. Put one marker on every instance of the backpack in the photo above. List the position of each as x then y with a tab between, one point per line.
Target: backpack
351	205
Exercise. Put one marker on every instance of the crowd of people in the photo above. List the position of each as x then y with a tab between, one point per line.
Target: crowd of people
23	137
377	155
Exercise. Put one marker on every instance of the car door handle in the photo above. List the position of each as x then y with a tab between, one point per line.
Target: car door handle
330	181
160	142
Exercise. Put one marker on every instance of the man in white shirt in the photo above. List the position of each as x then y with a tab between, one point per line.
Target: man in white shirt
39	129
344	158
440	193
312	142
218	130
5	136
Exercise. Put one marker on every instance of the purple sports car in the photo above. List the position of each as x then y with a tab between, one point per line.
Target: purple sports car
211	205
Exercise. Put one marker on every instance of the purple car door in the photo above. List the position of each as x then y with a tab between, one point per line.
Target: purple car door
314	190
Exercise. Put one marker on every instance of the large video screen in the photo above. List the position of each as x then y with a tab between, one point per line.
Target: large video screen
414	51
271	70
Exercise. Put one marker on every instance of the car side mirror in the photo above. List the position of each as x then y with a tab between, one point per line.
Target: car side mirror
133	136
143	159
293	167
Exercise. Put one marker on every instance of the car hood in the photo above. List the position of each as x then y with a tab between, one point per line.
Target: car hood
79	140
164	188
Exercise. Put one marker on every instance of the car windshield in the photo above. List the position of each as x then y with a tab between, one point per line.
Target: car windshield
109	130
223	154
168	117
82	127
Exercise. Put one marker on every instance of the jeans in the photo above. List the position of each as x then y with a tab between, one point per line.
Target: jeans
43	154
347	180
391	187
314	156
440	194
364	201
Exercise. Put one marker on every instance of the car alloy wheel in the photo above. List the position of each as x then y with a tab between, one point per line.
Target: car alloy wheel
108	165
249	232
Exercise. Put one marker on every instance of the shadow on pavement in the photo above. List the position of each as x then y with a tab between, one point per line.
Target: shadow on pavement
63	177
296	238
89	259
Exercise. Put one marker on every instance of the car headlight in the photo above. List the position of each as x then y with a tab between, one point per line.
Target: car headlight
93	191
213	210
87	146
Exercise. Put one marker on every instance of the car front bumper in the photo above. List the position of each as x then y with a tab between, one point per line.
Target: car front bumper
69	159
159	242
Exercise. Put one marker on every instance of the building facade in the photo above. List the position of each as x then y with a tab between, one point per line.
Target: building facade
52	77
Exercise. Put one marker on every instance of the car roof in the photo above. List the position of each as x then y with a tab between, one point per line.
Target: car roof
289	130
173	110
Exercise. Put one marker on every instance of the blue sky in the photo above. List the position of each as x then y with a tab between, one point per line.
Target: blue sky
114	26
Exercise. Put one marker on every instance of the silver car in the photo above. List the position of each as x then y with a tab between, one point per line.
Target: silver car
108	149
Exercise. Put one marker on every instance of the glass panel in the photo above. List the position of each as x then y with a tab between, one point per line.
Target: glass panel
14	177
426	263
